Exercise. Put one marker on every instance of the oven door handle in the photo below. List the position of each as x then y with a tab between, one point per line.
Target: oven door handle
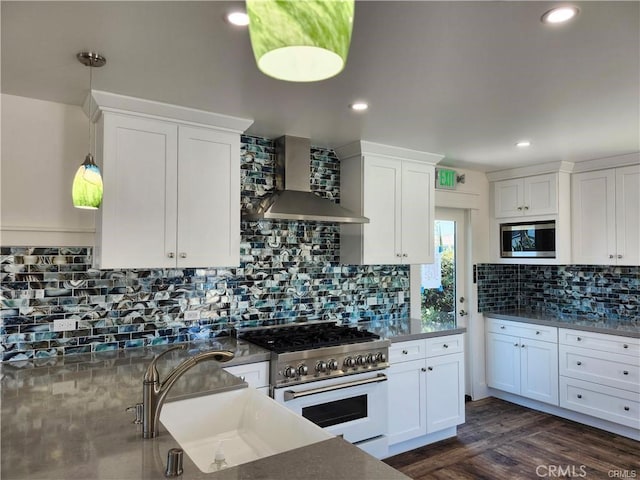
291	395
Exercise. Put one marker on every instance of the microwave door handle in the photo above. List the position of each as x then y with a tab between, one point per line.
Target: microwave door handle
291	395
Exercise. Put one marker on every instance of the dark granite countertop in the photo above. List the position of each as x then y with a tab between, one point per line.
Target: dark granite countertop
65	418
610	326
402	330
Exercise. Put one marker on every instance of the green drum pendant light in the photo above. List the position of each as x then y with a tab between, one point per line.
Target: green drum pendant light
87	184
300	40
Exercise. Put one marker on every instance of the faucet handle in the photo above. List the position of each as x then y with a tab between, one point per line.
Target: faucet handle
137	408
151	375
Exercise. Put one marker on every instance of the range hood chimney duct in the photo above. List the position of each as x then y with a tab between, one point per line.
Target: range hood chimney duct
293	199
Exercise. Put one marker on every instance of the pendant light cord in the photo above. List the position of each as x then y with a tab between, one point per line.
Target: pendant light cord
90	102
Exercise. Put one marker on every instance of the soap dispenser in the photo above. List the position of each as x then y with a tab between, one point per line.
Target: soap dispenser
219	460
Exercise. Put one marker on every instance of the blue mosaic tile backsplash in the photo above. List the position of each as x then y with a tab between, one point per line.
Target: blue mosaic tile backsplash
289	272
592	291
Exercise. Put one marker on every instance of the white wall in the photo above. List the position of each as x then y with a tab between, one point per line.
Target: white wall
43	143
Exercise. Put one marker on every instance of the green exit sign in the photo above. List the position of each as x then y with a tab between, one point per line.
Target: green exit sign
446	178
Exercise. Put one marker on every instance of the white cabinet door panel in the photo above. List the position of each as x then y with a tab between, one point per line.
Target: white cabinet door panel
209	199
541	195
407	401
137	219
382	243
539	370
445	392
503	362
417	198
628	215
508	198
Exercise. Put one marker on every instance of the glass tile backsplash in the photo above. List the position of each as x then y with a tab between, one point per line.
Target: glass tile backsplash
592	291
289	271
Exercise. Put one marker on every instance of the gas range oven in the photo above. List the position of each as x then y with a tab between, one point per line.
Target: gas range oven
333	375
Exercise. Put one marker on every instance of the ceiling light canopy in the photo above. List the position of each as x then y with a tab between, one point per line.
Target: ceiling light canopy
300	40
560	14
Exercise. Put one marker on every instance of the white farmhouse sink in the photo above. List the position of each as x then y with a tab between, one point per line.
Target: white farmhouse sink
250	425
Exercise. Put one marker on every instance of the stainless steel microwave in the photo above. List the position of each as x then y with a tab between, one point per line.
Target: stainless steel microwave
528	240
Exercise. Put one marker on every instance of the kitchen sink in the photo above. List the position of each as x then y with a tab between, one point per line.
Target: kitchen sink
241	425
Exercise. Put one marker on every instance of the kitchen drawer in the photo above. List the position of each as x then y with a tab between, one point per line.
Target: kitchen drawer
614	370
522	329
406	351
612	404
445	345
601	341
255	374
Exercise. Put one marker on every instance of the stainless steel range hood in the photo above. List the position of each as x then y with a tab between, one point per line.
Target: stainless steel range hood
293	199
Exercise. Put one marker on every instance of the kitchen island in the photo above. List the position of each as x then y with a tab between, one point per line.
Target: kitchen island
66	418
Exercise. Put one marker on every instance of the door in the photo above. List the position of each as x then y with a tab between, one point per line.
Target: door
508	198
627	217
417	198
208	198
503	362
541	195
407	401
137	222
445	392
382	236
539	370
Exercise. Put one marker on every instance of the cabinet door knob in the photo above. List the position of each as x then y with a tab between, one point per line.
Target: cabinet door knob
625	346
625	373
444	345
516	345
404	352
171	255
537	332
579	339
619	256
626	409
424	369
430	369
611	256
398	255
579	395
520	208
526	207
579	363
522	346
502	327
405	255
183	255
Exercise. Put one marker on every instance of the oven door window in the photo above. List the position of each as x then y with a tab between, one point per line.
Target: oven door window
337	412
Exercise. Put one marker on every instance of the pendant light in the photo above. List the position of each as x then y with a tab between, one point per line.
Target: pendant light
87	184
300	40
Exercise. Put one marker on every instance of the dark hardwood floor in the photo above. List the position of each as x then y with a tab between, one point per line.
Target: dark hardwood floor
501	440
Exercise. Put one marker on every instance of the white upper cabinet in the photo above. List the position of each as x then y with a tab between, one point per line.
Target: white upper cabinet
171	188
394	188
529	196
606	218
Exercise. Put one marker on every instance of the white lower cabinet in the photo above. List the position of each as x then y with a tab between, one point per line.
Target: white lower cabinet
426	391
519	362
255	374
600	376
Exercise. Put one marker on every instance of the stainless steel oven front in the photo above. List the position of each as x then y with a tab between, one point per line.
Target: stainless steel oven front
351	406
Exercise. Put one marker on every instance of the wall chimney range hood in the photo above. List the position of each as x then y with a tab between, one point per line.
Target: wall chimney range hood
292	198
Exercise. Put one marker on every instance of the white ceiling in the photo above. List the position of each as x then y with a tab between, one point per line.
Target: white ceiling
463	79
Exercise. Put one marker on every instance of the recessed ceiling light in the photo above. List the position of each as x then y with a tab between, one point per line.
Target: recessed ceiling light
240	19
359	106
560	14
523	144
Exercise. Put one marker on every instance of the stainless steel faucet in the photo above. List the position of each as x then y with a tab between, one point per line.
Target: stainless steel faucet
155	392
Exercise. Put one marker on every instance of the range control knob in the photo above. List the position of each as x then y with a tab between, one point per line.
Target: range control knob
381	358
333	364
321	366
360	360
349	362
289	372
303	369
371	358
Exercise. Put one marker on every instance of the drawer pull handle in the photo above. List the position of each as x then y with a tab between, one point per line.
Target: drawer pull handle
579	395
404	352
502	327
625	346
579	363
579	339
625	372
626	409
444	345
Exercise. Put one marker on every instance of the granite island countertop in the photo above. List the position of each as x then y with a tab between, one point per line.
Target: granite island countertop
623	328
65	418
